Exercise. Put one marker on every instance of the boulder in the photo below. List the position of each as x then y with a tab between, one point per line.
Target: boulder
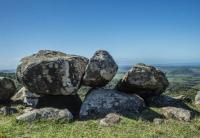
71	102
51	72
63	115
197	98
7	88
100	70
110	120
100	102
177	113
144	80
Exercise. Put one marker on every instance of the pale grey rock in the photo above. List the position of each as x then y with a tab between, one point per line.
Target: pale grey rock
177	113
100	70
146	81
51	72
100	102
158	121
7	88
46	114
197	98
110	120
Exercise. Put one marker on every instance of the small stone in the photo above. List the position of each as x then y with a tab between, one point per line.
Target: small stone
110	120
158	121
177	113
197	98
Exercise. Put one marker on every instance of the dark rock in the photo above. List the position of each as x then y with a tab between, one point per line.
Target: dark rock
146	81
63	115
51	72
110	120
177	113
8	110
100	70
164	100
71	102
100	102
7	88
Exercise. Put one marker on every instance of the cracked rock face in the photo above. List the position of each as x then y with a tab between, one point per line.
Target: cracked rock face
7	88
144	80
100	70
101	102
51	72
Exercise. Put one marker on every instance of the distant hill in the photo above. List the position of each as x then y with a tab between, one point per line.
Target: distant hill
8	71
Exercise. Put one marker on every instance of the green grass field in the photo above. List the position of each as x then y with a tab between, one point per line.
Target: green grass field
142	126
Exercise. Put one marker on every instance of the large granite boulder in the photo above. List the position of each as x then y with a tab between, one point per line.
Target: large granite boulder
100	69
144	80
100	102
7	88
63	115
51	72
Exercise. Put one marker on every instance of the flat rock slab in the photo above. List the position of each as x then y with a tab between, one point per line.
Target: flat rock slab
46	114
101	102
52	72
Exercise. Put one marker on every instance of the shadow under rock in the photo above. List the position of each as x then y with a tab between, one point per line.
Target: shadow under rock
165	101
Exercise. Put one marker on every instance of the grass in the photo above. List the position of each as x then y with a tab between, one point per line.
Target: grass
127	128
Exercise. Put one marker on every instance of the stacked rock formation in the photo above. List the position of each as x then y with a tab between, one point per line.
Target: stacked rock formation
51	80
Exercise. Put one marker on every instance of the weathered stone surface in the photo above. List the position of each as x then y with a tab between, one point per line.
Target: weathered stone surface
177	113
8	110
110	120
100	70
197	98
51	72
46	114
144	80
26	97
100	102
158	121
71	102
7	88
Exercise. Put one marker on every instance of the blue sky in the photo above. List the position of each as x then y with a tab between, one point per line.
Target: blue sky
149	31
